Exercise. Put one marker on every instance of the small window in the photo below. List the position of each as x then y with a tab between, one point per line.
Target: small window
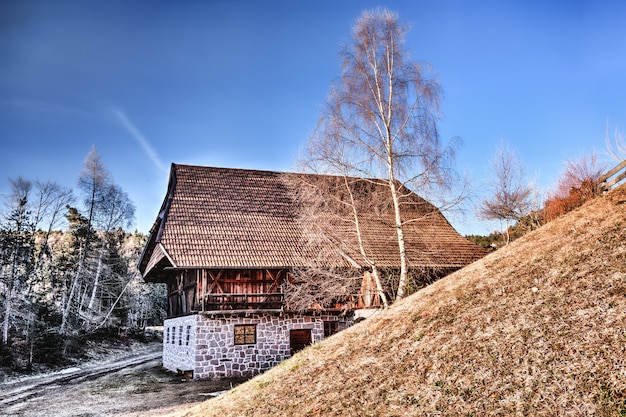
180	335
188	335
330	328
167	332
245	334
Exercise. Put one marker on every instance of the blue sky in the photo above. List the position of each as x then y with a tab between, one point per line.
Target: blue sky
240	83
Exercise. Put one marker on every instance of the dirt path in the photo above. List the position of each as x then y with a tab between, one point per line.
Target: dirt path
18	392
136	386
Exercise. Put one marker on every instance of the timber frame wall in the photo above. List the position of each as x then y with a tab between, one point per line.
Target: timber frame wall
204	290
192	291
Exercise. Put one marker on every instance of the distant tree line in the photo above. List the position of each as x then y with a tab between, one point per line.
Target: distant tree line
68	266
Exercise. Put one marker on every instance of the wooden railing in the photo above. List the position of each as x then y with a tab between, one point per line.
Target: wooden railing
275	301
611	178
255	301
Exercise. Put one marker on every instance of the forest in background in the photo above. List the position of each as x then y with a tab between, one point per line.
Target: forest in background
68	269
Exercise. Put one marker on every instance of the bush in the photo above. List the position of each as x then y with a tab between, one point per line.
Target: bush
576	185
48	349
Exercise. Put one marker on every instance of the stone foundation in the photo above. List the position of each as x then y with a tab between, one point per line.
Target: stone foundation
206	344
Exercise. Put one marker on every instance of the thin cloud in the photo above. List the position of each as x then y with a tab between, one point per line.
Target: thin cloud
47	108
141	139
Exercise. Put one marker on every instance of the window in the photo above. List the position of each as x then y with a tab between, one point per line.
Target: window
245	334
188	335
167	332
180	335
330	328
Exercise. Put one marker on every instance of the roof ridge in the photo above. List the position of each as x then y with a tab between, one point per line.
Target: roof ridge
267	171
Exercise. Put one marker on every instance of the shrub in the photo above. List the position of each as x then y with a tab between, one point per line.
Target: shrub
576	185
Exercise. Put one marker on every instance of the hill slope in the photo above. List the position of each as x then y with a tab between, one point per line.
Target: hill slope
537	328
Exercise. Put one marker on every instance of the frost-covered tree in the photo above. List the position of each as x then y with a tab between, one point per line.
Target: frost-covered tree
16	250
106	208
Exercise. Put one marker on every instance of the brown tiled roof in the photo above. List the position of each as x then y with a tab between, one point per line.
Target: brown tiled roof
237	218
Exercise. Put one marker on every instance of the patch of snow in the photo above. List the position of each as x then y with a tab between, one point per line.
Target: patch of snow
68	370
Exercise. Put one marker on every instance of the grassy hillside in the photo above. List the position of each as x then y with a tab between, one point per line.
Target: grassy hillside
537	328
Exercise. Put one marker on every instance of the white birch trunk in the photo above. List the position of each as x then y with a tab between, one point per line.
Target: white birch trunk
401	244
7	316
96	280
70	297
379	287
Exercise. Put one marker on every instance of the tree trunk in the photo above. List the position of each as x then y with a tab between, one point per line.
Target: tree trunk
359	235
379	287
400	233
14	285
70	297
119	297
96	279
7	315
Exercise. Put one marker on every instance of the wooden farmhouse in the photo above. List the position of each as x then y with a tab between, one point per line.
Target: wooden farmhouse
227	242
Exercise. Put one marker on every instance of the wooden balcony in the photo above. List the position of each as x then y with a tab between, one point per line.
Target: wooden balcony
221	303
236	302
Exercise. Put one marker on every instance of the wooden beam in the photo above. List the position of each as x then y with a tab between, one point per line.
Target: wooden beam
612	172
615	180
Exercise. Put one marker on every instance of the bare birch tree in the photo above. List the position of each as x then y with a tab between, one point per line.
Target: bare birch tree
510	198
116	211
380	119
331	215
52	200
93	180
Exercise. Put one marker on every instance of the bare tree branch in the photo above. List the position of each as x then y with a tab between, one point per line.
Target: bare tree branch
380	121
511	198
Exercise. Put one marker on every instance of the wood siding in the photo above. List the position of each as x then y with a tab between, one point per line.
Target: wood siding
204	290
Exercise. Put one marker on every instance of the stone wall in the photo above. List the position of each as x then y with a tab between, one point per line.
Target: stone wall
206	344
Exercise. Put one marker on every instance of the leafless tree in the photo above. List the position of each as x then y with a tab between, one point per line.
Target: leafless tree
115	211
320	288
332	210
93	181
51	201
616	146
511	198
380	120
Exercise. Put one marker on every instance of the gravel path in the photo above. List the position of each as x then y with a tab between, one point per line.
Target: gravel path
135	386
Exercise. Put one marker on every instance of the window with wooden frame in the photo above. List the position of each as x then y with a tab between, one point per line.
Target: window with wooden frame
245	334
330	328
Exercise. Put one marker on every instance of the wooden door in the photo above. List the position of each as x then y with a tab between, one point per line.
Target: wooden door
299	339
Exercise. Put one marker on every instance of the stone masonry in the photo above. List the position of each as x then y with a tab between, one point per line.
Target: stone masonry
206	344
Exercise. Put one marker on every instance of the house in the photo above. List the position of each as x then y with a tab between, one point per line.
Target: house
227	242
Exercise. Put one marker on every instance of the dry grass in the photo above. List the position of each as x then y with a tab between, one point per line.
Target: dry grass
537	328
